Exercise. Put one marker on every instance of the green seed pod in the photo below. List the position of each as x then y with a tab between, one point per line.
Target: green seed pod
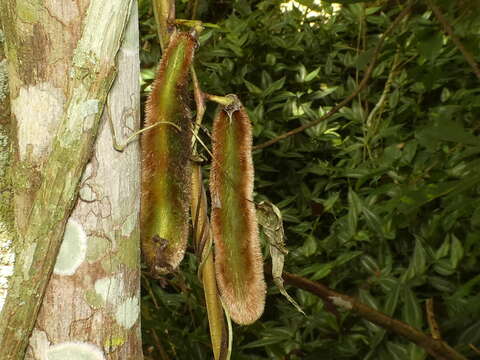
238	259
166	171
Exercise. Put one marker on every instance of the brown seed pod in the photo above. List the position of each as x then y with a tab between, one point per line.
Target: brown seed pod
238	259
166	171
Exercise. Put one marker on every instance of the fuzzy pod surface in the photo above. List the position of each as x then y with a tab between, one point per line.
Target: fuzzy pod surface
166	171
238	259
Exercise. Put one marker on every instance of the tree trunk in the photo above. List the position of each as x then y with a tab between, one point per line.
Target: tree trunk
6	210
61	66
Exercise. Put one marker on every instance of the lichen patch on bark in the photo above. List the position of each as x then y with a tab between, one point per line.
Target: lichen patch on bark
111	289
46	102
73	249
127	312
74	350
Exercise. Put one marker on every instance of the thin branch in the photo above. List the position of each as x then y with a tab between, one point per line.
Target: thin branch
344	102
432	322
160	348
449	30
164	11
436	347
194	9
474	348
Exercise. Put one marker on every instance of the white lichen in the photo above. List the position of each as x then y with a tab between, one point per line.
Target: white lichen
130	224
28	259
127	312
87	110
338	301
7	259
73	250
3	80
38	110
110	289
39	344
74	350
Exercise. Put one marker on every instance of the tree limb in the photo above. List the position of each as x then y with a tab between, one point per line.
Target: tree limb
435	347
449	30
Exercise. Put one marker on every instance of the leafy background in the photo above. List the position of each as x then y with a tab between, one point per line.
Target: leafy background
381	201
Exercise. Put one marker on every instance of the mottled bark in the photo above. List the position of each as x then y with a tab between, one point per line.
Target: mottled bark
62	66
7	233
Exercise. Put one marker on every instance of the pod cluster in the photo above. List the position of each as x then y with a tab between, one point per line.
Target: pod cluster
166	171
166	186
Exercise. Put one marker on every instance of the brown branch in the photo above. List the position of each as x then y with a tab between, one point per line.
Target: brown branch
344	102
435	347
449	30
432	322
160	348
474	348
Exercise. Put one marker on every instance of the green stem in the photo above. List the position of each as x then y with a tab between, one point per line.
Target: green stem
164	11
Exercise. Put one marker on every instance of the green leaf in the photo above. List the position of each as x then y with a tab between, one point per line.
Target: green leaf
457	251
276	85
447	130
444	249
392	300
419	258
368	299
345	2
397	351
416	353
346	257
309	246
471	335
418	262
311	75
354	208
373	221
364	59
430	44
444	267
412	312
370	264
253	88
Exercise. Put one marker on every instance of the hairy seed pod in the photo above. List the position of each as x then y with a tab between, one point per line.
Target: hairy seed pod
166	171
238	259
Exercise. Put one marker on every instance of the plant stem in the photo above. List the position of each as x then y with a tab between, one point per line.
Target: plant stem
164	11
436	347
449	30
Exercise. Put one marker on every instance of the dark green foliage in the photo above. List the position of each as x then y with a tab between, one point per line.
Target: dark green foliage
384	207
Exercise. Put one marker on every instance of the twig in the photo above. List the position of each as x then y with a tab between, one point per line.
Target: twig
432	322
194	9
435	347
344	102
160	348
449	30
164	11
474	348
